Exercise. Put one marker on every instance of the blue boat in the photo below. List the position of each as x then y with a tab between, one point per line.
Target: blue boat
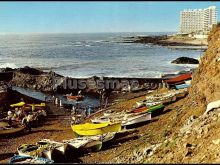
182	86
29	160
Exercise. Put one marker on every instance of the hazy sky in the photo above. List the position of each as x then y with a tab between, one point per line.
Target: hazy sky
86	17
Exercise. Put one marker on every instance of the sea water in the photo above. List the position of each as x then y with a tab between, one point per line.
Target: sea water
85	55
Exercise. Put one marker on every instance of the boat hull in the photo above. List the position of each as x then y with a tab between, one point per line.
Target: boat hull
26	159
137	119
96	129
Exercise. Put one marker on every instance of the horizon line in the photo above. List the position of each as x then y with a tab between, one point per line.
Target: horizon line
7	33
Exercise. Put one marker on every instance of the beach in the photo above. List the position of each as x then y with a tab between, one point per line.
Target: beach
139	146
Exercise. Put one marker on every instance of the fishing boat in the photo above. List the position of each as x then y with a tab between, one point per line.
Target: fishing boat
173	75
167	100
17	159
181	93
61	147
139	104
5	129
154	108
78	98
101	119
182	86
29	150
137	119
20	104
38	105
85	143
141	109
89	129
179	78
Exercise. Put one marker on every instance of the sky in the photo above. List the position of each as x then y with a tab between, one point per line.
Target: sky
94	16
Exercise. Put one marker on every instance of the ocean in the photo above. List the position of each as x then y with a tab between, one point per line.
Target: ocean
86	55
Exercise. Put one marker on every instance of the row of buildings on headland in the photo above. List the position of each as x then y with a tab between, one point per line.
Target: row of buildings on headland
197	23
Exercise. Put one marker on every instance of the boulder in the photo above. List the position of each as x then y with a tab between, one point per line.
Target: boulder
31	71
185	60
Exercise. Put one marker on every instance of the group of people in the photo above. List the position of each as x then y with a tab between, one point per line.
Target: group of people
20	115
57	101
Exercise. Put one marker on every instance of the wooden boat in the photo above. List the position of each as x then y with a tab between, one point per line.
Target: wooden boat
179	78
150	104
48	152
17	159
38	105
181	93
5	129
29	150
85	143
61	147
182	86
102	119
173	75
168	100
89	129
78	98
138	110
154	108
20	104
137	119
139	104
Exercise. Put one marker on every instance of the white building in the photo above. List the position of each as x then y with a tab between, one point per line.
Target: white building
198	21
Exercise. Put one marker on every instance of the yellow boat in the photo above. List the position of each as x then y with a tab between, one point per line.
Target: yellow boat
90	129
20	104
38	105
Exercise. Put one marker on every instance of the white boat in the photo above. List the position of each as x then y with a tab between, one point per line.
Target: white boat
48	152
148	104
86	142
139	104
137	119
29	150
61	147
101	119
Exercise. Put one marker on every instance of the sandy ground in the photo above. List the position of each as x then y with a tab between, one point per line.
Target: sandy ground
57	127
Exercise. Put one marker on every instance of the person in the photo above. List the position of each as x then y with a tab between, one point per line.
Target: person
129	88
89	110
73	120
73	110
27	121
56	101
61	104
9	117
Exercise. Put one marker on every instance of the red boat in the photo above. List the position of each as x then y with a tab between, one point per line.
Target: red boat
141	109
79	98
180	78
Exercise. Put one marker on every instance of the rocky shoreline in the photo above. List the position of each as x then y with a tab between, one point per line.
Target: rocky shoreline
51	82
168	41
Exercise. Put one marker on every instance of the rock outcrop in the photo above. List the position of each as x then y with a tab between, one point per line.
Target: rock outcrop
185	60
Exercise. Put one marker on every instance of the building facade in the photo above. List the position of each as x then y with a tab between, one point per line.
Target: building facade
198	21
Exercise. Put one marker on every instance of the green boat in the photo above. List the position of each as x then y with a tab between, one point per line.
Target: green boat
156	107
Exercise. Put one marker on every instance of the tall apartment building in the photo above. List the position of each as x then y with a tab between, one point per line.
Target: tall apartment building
198	20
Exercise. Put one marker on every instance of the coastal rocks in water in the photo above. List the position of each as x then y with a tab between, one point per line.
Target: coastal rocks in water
185	60
28	70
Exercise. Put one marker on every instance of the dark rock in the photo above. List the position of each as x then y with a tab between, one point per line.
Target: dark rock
28	70
185	60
